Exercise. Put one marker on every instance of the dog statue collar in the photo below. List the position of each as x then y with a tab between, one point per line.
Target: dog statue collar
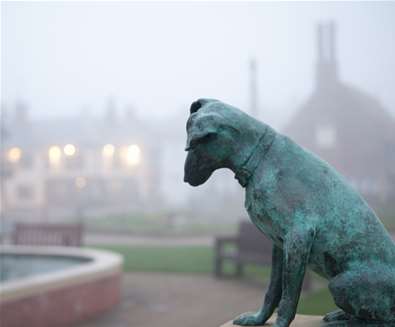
247	169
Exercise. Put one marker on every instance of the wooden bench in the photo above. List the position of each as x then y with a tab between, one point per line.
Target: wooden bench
250	246
48	234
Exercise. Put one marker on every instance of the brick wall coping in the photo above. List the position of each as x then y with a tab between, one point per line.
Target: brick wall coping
101	264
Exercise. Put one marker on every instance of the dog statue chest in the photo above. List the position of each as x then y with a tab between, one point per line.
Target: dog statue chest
261	212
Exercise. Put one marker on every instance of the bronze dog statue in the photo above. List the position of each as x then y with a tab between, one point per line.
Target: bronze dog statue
314	218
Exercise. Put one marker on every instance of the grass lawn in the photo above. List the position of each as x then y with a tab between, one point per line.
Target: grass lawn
177	259
199	259
317	303
157	224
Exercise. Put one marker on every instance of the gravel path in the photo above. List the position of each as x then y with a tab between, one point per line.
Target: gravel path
175	300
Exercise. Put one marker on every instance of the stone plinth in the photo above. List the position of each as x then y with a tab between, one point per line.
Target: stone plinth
300	321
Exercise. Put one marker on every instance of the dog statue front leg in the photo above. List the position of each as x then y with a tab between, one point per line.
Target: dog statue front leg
272	297
297	246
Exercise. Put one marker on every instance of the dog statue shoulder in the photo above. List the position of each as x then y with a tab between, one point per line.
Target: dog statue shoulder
312	215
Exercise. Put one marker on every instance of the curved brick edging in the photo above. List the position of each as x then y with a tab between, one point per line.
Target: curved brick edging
61	298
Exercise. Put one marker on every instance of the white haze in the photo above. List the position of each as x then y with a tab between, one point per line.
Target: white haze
63	58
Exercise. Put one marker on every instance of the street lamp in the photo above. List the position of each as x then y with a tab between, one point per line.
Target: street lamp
69	150
14	154
108	151
54	155
133	155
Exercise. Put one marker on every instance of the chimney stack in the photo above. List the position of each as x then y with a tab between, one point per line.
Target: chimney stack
326	73
253	88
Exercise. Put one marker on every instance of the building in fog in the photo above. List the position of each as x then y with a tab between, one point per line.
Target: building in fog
78	166
347	127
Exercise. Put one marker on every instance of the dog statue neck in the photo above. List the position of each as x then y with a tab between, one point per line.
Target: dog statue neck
254	156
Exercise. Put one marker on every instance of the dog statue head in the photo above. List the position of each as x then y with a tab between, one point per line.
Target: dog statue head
218	136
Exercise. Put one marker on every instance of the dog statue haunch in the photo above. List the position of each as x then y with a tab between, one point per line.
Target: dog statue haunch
312	215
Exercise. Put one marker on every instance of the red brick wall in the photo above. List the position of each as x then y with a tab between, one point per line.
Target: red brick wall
62	307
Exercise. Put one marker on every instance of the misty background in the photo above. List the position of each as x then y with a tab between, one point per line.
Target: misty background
91	74
94	101
67	58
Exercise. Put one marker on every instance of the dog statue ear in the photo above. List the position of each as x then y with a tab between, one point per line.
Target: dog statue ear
195	106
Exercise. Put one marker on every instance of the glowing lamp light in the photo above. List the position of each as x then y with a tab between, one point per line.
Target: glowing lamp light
108	151
54	154
69	150
14	154
133	155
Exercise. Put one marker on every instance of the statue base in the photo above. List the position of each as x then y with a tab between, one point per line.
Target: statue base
299	321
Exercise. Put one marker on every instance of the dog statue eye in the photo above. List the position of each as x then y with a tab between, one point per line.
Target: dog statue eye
199	140
205	138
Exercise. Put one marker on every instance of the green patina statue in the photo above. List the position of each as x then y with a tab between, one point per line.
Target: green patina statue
313	216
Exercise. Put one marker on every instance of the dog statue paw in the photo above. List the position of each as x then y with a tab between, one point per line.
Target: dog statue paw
249	319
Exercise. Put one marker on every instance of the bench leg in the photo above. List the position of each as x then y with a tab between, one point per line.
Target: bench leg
218	267
239	269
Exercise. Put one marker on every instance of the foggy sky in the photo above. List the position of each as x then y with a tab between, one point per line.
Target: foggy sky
63	58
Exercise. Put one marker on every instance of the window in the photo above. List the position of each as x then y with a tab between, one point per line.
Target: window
25	192
325	136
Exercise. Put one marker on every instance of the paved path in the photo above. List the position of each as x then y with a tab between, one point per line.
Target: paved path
176	300
121	239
